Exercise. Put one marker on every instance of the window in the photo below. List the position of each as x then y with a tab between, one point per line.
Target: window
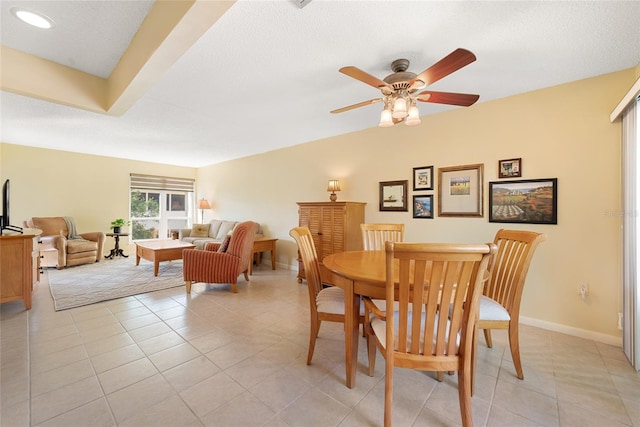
159	205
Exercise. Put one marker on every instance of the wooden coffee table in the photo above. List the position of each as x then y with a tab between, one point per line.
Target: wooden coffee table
160	250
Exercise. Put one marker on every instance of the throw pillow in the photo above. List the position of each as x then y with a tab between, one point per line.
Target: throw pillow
200	230
225	243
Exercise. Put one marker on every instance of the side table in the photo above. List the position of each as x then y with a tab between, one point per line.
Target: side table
264	244
116	251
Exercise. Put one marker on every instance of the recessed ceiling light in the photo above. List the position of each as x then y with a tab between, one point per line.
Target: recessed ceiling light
36	19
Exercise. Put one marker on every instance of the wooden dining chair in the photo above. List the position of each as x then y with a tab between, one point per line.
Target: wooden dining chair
374	235
433	325
325	303
500	302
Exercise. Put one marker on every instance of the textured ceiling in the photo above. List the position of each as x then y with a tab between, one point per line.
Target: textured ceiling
265	75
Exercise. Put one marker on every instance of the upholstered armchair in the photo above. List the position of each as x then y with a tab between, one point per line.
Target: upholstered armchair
59	250
221	262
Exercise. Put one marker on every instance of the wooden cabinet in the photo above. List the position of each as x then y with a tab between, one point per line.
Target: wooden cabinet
19	267
335	227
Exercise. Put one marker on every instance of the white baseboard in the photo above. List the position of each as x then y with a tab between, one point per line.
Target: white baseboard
570	330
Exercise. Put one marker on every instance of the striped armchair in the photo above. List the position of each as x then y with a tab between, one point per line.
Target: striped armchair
214	264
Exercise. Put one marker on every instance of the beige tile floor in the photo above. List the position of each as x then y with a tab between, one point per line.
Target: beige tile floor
215	358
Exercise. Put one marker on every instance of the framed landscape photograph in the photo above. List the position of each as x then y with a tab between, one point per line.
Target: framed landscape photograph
423	178
460	191
393	196
532	201
423	206
511	168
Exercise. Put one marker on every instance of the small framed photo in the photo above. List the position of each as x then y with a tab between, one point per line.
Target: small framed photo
460	191
510	168
423	178
393	196
423	206
532	201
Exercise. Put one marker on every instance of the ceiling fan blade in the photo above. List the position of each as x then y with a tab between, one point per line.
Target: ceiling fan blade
462	99
358	105
364	77
447	65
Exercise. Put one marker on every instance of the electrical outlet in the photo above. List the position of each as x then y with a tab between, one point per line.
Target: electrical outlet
619	321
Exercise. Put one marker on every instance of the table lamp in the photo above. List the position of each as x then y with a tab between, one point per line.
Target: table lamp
334	185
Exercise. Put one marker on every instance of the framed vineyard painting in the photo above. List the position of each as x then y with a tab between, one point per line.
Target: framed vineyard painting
531	201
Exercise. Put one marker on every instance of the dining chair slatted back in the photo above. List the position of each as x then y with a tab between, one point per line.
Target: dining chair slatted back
374	235
500	303
325	303
433	323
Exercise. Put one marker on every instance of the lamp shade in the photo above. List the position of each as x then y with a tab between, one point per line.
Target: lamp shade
334	185
399	108
385	119
204	204
413	118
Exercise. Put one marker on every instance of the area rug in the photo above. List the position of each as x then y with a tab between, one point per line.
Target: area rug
110	279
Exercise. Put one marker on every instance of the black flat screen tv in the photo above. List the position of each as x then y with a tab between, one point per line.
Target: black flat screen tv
6	221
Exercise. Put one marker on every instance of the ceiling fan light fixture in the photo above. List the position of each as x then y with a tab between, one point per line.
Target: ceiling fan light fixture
399	108
385	119
413	118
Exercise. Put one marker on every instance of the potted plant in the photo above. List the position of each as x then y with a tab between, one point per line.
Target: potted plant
117	224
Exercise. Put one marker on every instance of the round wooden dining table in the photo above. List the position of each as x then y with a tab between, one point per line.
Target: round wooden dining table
358	273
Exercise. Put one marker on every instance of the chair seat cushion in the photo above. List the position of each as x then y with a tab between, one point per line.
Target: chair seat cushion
76	246
331	300
491	310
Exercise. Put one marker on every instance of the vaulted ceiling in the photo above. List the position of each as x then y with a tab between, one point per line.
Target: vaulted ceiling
194	83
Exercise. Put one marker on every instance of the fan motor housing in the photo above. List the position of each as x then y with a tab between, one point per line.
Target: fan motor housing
401	77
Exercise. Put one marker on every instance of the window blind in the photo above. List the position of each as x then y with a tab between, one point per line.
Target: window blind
154	182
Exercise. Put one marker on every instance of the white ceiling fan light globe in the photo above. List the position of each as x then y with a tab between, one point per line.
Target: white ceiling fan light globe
399	108
385	119
413	118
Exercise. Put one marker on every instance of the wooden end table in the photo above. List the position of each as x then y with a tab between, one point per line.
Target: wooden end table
157	251
264	244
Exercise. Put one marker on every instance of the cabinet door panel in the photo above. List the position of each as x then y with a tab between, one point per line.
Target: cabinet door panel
310	218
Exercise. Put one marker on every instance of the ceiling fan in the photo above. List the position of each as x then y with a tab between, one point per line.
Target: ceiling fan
400	89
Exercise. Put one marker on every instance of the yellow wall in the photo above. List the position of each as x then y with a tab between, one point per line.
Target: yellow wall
560	132
94	190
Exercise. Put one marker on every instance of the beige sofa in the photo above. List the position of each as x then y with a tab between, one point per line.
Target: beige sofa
214	231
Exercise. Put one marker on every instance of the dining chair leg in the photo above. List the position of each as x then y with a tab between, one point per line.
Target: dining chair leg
487	337
388	392
314	327
371	352
514	343
464	394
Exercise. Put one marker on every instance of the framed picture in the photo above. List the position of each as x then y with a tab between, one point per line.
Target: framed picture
460	191
532	201
393	196
511	168
423	178
423	206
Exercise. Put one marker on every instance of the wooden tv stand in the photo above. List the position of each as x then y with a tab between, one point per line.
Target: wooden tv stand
19	265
